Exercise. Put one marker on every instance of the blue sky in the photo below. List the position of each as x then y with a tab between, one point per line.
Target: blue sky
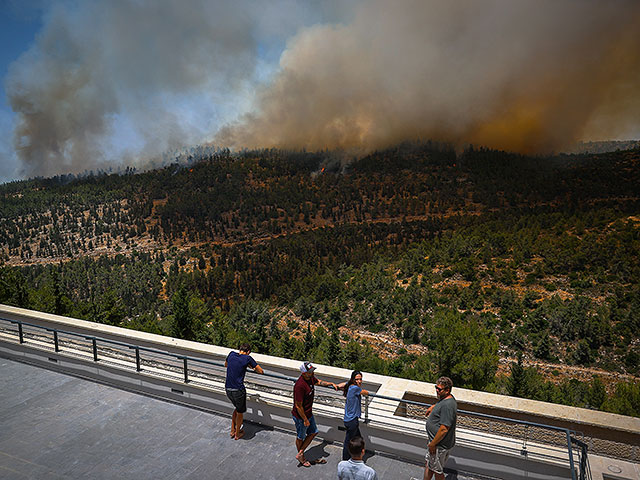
19	23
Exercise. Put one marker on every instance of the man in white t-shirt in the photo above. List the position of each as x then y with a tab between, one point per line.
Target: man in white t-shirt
354	468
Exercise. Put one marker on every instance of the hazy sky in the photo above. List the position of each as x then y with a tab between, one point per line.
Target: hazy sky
19	22
91	84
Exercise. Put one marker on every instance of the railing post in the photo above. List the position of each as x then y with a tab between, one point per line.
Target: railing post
366	409
524	452
583	462
55	341
186	371
570	447
138	359
583	449
95	349
20	335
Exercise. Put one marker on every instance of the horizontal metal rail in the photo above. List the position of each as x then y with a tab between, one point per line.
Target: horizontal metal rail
186	360
481	415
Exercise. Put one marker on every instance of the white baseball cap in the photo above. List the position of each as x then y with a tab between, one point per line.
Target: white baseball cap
307	367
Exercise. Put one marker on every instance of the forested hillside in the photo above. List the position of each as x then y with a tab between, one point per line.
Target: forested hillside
511	274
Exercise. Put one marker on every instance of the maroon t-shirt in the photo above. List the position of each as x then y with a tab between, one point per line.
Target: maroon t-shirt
303	392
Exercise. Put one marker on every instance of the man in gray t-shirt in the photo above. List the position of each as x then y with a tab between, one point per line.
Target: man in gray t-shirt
441	429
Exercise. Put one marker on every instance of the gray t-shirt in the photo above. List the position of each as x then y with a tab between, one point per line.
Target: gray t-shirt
444	413
355	470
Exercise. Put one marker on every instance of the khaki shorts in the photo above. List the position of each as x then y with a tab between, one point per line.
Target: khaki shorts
436	462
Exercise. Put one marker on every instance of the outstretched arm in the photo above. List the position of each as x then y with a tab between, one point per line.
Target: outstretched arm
322	383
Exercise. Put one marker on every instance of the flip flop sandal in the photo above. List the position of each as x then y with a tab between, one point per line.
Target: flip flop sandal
320	461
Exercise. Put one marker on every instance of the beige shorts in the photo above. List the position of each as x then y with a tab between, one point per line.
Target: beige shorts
436	462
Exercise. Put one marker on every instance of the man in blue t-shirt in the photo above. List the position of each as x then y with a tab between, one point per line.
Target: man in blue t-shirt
237	364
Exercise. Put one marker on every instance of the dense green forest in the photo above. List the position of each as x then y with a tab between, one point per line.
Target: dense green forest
511	274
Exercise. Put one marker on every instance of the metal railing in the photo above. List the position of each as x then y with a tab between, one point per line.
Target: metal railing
190	370
525	432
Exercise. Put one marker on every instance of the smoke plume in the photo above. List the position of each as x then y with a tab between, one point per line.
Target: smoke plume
113	81
125	80
529	76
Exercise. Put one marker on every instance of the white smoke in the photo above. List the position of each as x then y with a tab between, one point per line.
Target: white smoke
113	81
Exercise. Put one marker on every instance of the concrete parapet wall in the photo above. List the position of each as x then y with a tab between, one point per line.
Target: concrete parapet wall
399	436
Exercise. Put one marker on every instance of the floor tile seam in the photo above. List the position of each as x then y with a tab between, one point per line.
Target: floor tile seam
34	464
36	399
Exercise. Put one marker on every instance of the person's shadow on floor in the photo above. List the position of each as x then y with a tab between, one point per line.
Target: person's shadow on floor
450	474
317	454
250	430
367	455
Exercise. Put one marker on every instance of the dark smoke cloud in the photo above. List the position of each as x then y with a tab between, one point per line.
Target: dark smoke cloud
531	76
125	80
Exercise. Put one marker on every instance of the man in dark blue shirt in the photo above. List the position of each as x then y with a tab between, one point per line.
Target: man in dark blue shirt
237	364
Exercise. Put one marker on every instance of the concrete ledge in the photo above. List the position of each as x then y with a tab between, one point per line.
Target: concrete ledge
283	366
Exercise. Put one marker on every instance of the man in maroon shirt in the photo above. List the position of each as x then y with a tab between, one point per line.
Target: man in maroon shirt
306	428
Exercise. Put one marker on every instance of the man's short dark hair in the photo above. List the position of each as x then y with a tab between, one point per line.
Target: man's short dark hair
356	445
445	382
245	347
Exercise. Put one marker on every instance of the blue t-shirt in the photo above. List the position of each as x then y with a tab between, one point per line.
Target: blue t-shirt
236	369
352	405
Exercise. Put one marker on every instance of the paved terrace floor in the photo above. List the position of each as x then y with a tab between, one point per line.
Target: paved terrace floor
55	426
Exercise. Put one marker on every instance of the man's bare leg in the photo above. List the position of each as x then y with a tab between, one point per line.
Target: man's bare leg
239	433
428	473
233	423
302	445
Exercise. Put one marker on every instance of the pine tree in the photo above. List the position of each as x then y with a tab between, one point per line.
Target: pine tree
516	385
183	322
333	352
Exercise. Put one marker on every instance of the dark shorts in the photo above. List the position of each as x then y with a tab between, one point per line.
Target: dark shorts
239	399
